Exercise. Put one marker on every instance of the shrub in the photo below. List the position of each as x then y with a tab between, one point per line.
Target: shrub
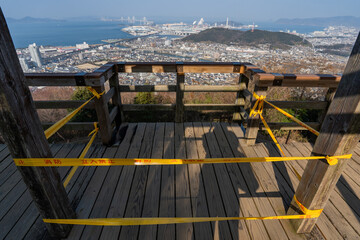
85	115
145	98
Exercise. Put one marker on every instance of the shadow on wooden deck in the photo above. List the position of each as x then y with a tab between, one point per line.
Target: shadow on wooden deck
244	189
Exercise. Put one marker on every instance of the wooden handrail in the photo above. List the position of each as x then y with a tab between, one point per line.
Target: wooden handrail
255	75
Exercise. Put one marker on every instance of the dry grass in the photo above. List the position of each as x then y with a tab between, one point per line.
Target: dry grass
52	93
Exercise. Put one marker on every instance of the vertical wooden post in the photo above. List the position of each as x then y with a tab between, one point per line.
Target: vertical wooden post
253	123
339	134
102	112
328	97
180	78
21	128
116	99
239	95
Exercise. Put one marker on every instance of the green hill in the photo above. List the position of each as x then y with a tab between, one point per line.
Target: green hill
226	36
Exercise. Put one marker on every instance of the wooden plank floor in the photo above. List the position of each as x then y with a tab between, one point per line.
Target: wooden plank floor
256	189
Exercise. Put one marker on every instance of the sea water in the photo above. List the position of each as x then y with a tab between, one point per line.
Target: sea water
66	33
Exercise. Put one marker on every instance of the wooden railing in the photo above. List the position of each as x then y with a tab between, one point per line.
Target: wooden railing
259	81
251	79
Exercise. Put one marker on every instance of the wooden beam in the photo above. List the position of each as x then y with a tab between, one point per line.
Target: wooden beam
239	95
180	78
103	116
148	107
289	126
109	95
221	107
298	104
296	80
114	113
339	134
63	79
116	98
21	128
216	88
187	88
328	99
62	104
188	67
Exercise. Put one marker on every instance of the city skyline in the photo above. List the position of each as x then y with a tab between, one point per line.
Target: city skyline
258	10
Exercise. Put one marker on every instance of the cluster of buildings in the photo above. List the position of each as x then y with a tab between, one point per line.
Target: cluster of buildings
181	28
85	57
333	35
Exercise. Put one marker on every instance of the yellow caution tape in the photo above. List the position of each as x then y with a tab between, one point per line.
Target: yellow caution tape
58	162
271	134
262	98
86	149
331	160
313	213
54	128
258	106
95	93
158	221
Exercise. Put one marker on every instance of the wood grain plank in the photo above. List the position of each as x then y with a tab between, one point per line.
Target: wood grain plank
120	198
182	187
137	193
90	195
228	190
197	190
248	208
275	181
167	189
221	229
152	194
103	201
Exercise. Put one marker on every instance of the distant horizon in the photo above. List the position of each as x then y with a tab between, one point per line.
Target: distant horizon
213	10
160	18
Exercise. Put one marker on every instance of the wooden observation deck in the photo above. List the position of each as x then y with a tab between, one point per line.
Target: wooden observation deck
30	194
244	189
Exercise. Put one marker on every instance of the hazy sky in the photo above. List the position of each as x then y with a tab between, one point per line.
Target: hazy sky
255	10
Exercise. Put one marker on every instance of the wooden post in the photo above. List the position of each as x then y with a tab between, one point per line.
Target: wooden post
116	99
339	134
21	128
102	112
239	95
328	97
180	78
253	123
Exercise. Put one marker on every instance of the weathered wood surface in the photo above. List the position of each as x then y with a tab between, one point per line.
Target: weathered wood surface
103	117
339	134
63	104
179	108
295	80
21	129
116	99
189	67
189	190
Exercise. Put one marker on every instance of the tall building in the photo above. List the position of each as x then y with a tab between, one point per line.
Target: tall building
35	54
23	64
